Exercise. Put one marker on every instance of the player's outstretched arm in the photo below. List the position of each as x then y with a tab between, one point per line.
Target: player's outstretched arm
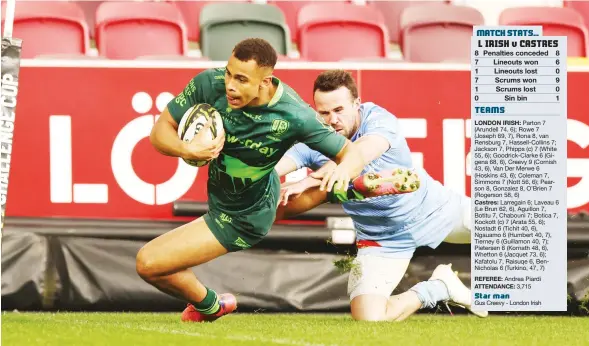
164	138
301	203
350	164
360	153
372	147
285	165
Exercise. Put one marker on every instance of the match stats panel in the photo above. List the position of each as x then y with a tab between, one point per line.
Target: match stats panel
518	161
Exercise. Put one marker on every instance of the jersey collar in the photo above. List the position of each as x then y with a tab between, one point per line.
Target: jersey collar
361	114
278	93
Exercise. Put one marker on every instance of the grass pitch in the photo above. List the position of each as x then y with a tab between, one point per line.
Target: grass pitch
65	329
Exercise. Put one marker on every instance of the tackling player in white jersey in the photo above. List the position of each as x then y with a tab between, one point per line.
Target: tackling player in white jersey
388	228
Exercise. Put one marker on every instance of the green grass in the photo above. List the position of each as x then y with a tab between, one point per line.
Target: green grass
66	329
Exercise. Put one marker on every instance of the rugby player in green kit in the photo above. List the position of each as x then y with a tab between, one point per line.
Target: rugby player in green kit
262	119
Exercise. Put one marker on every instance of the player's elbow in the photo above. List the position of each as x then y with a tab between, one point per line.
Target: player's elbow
155	135
163	127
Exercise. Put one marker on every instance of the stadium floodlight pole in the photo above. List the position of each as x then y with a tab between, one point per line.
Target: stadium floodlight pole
11	53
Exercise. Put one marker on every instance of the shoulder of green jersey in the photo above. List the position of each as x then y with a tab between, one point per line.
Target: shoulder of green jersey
216	82
292	96
219	73
320	119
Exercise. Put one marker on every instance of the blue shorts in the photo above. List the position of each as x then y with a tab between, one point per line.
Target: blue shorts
451	220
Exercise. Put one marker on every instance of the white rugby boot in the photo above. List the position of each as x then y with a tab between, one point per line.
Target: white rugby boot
460	295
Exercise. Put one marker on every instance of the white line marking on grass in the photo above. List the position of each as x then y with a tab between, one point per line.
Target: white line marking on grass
280	341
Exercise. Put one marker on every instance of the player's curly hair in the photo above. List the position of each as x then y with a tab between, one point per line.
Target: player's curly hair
257	49
334	79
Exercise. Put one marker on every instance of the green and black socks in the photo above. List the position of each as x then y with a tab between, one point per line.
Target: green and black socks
209	305
342	196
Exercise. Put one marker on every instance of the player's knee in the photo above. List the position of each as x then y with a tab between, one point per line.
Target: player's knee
364	308
368	316
145	265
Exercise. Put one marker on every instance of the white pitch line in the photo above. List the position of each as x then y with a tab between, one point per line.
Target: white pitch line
280	341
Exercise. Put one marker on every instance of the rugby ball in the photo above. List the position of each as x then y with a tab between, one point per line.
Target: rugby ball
194	120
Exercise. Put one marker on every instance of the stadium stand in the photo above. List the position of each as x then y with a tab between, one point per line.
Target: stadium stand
555	22
443	27
64	28
580	6
191	13
222	25
322	27
384	60
89	9
576	61
69	57
282	57
291	11
438	32
491	10
391	11
130	30
173	58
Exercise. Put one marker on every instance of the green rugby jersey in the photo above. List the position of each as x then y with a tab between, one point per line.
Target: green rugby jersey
256	137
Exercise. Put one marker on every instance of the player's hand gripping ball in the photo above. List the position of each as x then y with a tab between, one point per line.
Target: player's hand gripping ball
194	120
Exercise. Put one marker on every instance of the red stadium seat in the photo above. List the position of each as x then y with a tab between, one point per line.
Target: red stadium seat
69	57
383	60
89	9
173	58
49	27
331	32
555	21
282	57
90	6
291	13
438	32
191	13
391	11
580	6
133	29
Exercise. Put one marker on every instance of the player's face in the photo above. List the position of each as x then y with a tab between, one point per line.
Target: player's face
244	81
339	109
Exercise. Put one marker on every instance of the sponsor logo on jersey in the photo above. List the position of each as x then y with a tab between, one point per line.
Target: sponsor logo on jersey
248	143
226	218
241	243
279	127
255	117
